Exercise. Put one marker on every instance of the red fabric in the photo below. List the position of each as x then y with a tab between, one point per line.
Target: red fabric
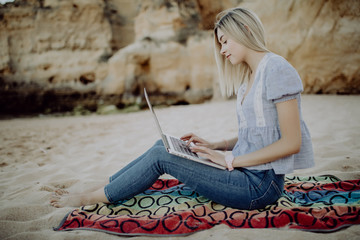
332	213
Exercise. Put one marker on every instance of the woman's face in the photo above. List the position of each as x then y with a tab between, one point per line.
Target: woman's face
233	51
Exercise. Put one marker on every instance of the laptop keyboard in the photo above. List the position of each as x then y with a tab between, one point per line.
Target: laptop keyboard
180	146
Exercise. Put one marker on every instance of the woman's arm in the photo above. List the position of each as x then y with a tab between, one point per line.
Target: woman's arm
288	144
223	145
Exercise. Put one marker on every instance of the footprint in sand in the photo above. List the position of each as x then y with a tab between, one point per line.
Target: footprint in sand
61	192
47	189
57	191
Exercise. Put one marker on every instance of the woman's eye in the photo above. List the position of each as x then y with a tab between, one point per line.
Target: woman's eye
225	41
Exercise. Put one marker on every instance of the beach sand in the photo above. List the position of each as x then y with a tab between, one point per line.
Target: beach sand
39	155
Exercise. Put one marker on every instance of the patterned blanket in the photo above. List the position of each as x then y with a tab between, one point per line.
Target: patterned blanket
322	204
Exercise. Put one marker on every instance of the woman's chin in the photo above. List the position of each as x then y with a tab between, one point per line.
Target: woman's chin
233	62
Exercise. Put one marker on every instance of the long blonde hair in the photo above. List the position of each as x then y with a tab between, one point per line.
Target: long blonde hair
244	27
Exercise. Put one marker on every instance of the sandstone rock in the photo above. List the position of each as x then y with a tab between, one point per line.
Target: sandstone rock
320	38
201	60
174	60
52	54
169	68
125	68
65	53
299	38
121	15
208	9
167	20
53	42
109	109
166	67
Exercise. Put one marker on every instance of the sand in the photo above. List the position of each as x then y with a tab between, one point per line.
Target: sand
39	155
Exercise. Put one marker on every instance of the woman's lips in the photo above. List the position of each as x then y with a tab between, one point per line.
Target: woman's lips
228	56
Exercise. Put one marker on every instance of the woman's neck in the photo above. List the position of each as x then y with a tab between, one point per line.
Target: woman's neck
253	59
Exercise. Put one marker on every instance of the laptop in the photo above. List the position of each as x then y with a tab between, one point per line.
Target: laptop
175	145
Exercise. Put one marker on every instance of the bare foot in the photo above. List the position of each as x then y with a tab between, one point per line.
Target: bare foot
66	200
63	199
61	192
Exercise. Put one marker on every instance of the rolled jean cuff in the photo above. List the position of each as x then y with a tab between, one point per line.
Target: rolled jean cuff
107	194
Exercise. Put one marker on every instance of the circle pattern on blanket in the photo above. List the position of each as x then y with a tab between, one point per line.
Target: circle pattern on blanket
322	203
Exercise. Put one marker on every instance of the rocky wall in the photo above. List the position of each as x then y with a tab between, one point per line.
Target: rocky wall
52	53
320	38
56	55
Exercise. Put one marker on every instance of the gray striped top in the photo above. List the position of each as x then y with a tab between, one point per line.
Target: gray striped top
275	81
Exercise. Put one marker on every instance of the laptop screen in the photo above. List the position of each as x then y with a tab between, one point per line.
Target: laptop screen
155	118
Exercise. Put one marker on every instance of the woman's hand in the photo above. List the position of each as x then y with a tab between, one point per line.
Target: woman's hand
192	138
210	154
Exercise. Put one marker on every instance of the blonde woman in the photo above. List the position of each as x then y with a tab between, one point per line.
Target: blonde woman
272	139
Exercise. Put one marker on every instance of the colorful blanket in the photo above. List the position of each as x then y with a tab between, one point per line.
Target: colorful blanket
323	204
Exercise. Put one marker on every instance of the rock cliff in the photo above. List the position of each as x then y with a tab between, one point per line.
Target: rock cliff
172	54
52	52
320	38
56	55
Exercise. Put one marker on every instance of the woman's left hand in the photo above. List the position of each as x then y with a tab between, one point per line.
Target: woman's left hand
210	154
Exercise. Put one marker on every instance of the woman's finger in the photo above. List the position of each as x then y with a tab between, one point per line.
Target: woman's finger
189	141
197	149
203	155
195	140
187	136
201	144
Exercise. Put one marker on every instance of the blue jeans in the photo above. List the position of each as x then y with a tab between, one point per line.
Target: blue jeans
241	188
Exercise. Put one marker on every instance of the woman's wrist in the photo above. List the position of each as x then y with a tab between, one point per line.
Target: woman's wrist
221	146
229	159
214	146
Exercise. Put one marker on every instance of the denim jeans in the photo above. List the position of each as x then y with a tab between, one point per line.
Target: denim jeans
241	188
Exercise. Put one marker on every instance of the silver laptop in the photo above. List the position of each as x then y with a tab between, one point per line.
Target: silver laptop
175	145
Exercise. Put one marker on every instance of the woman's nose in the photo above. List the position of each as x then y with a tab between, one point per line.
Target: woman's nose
222	50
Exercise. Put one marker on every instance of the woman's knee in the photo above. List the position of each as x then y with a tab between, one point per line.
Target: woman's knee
160	157
159	143
157	151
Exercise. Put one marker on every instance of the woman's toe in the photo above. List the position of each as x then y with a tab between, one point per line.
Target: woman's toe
61	191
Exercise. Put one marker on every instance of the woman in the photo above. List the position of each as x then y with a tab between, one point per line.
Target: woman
272	140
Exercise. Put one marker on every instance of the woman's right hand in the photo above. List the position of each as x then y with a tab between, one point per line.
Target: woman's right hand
192	138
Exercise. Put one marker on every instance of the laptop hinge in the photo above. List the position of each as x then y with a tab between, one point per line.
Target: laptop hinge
165	140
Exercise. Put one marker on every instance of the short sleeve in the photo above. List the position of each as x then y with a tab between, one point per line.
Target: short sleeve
281	80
